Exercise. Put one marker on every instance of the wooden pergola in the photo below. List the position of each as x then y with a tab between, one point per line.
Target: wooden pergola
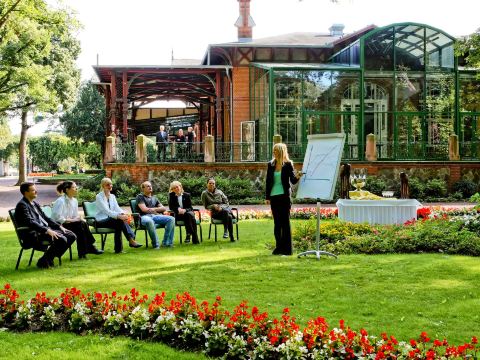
127	88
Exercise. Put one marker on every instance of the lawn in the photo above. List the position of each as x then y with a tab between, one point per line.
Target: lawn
402	295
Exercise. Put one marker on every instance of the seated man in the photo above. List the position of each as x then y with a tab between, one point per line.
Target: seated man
28	213
216	201
151	213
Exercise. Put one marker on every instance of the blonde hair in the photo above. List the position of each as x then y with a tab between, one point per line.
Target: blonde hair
104	181
175	183
282	153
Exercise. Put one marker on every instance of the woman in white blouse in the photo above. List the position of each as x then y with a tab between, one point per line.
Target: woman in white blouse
65	212
110	215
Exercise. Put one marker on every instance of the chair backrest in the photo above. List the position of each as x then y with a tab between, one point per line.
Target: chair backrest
11	212
133	205
47	209
89	208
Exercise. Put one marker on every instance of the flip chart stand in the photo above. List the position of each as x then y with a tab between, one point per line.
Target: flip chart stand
317	252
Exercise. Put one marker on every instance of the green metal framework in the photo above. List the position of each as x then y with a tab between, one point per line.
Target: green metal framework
401	82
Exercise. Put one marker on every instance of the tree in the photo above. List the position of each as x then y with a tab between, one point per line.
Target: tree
86	119
470	48
38	49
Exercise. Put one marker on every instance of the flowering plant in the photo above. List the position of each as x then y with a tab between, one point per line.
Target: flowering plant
244	333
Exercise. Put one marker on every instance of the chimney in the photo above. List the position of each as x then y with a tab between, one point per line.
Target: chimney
244	22
336	29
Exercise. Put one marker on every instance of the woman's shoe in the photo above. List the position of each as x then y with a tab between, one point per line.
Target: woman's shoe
135	245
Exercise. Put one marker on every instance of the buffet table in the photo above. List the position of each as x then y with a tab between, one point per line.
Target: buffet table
378	211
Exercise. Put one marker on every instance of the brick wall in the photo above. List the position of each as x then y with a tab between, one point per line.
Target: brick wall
241	99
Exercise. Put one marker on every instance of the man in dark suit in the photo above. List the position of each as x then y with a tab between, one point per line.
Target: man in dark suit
28	213
190	139
162	141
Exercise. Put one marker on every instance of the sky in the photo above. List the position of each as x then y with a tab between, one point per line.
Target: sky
146	32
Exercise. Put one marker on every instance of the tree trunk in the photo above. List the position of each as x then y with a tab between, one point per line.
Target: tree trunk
22	150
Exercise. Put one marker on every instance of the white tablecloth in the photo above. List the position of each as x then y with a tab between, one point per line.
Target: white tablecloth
377	211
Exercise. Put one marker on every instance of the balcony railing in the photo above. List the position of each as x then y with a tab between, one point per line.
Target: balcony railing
262	151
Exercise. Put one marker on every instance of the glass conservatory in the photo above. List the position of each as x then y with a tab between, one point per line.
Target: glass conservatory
402	83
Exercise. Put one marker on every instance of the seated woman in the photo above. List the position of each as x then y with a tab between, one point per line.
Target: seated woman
216	201
65	212
181	204
110	215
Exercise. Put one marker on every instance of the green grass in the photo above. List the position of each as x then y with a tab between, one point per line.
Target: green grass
399	294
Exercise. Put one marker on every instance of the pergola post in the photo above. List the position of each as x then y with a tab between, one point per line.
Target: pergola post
125	104
113	102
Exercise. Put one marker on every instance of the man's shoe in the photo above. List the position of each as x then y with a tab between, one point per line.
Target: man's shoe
232	239
135	245
95	251
225	235
187	239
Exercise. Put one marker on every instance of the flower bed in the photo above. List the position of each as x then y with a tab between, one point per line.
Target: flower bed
40	174
295	213
183	322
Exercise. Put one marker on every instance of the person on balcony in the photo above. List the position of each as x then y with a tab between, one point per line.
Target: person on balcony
190	139
180	203
280	174
162	142
110	215
65	212
28	213
180	145
217	202
152	213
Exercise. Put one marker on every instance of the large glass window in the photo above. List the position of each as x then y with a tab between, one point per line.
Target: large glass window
469	92
409	91
379	50
409	47
288	90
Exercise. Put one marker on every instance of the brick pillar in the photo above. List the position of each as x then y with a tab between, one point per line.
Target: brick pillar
209	149
371	148
141	149
453	148
110	149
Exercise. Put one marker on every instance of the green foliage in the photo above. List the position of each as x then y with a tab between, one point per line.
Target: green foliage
470	48
48	150
93	182
85	195
86	119
475	198
423	236
375	185
66	165
125	192
435	188
417	188
466	187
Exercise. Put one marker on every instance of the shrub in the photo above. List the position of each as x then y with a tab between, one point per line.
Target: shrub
417	188
466	187
436	188
85	195
375	185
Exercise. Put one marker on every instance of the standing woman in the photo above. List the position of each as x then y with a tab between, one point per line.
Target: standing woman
280	174
65	212
110	215
180	203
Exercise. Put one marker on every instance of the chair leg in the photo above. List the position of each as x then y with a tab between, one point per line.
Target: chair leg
103	237
215	226
181	235
19	257
70	249
31	257
146	238
201	235
209	231
60	261
236	225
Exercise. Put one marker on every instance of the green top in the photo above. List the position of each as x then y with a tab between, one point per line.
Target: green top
277	188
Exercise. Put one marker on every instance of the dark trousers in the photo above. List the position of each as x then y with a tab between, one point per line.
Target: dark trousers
190	224
85	238
280	206
161	151
119	226
226	216
58	247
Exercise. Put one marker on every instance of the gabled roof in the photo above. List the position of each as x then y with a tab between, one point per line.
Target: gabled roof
296	39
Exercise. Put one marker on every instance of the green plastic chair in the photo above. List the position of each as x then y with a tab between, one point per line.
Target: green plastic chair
216	222
22	232
90	210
